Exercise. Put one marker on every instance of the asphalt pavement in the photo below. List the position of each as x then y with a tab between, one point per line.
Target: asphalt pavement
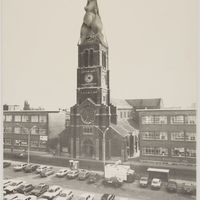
128	190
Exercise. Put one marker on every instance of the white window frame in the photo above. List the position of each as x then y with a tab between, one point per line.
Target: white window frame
34	118
175	136
190	119
42	118
182	151
17	118
177	119
8	118
190	137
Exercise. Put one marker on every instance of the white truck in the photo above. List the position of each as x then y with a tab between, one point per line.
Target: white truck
118	173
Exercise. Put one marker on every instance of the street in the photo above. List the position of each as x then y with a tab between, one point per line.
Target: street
128	190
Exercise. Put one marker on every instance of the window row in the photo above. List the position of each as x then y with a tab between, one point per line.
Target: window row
19	130
175	136
175	152
24	143
178	119
26	118
125	114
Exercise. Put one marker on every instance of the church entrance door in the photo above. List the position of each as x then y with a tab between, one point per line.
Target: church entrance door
88	150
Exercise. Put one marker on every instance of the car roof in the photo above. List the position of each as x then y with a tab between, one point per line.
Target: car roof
156	179
54	187
86	194
66	191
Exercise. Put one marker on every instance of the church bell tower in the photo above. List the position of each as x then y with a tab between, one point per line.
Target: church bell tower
93	112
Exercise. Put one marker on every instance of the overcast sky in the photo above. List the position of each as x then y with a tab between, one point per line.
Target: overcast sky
152	50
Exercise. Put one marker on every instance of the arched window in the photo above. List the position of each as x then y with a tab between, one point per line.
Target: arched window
86	58
91	57
104	59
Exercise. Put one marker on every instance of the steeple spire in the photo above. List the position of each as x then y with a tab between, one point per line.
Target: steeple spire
92	27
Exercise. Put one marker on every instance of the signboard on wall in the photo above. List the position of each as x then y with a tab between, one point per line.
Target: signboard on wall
43	138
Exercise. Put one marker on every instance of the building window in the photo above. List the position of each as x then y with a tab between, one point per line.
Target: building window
86	58
154	151
177	136
124	114
17	118
91	57
179	119
25	118
190	119
121	114
7	141
190	153
17	143
34	131
8	118
43	118
8	129
43	144
34	143
34	118
42	131
147	120
178	152
17	130
154	136
103	59
190	136
160	120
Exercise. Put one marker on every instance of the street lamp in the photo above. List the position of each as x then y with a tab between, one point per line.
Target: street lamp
104	145
29	138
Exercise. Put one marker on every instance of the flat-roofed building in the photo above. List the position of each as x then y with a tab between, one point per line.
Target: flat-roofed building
40	124
168	134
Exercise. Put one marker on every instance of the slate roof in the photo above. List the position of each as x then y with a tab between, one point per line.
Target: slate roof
121	103
145	103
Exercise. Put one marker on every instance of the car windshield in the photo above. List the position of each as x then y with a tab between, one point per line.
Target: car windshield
143	179
63	194
51	190
13	184
38	187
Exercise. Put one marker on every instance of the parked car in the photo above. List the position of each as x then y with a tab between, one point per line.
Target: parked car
108	197
143	181
93	177
52	192
65	195
73	174
41	168
155	183
39	189
188	188
62	172
47	172
114	181
83	174
7	183
24	188
171	186
30	197
30	168
86	196
19	167
14	197
13	186
6	164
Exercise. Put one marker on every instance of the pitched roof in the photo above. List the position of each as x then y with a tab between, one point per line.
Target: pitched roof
145	103
121	103
120	130
125	124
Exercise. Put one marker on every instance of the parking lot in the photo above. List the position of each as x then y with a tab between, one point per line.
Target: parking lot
128	190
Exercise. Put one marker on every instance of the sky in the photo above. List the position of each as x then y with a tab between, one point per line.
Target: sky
152	50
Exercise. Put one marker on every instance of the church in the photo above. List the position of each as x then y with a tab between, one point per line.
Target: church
95	131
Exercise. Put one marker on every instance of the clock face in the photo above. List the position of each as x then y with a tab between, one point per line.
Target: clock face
88	78
87	115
